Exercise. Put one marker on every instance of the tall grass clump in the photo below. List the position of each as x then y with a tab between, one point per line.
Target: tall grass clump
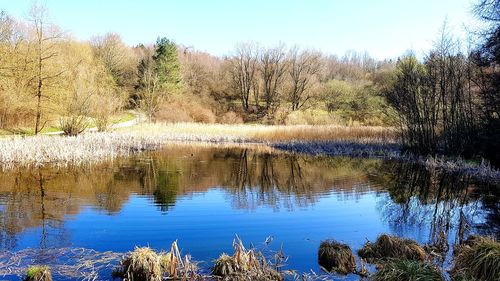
145	264
388	247
142	264
478	258
407	270
245	265
38	273
336	257
175	266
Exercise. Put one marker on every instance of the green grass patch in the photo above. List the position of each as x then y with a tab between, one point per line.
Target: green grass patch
407	270
38	273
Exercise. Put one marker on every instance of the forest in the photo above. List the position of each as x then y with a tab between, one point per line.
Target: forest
446	102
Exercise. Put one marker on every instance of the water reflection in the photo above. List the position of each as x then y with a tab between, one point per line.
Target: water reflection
433	207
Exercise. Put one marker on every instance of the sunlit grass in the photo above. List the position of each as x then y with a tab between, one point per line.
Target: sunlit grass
275	133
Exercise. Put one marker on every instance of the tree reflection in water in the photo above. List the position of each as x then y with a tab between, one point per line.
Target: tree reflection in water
441	205
446	206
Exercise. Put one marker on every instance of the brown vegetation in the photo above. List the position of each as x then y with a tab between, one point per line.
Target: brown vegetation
477	258
245	265
336	257
392	247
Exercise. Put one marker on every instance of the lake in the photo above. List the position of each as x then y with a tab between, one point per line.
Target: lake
205	196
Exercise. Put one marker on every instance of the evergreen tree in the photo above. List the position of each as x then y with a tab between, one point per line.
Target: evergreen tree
167	65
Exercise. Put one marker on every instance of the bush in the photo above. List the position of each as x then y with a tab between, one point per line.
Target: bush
201	114
312	117
407	270
172	113
337	257
230	118
73	125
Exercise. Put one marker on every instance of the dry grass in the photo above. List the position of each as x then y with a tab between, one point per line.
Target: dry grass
336	257
391	247
146	264
276	133
72	263
92	147
478	258
244	265
142	264
38	273
88	148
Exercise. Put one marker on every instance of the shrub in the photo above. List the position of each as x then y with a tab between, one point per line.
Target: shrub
172	113
312	117
230	118
337	257
73	125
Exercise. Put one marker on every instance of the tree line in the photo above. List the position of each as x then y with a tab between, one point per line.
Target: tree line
449	103
48	79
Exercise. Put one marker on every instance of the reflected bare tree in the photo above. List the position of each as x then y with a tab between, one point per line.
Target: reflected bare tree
445	208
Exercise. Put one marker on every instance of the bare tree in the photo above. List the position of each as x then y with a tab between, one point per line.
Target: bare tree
117	57
303	69
150	94
44	43
243	71
273	68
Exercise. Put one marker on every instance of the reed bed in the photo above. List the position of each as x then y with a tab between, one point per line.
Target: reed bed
85	148
277	133
93	147
372	142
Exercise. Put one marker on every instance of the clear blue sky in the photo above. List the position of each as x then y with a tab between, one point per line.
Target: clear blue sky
384	28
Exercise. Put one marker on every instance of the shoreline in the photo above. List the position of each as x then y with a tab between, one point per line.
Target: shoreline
89	148
367	261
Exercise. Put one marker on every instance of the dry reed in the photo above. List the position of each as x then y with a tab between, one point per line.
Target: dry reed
245	265
391	247
478	258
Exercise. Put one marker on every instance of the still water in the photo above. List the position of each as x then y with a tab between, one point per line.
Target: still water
204	196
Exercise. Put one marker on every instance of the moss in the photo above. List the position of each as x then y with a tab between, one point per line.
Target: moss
407	270
478	258
38	273
389	247
336	257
